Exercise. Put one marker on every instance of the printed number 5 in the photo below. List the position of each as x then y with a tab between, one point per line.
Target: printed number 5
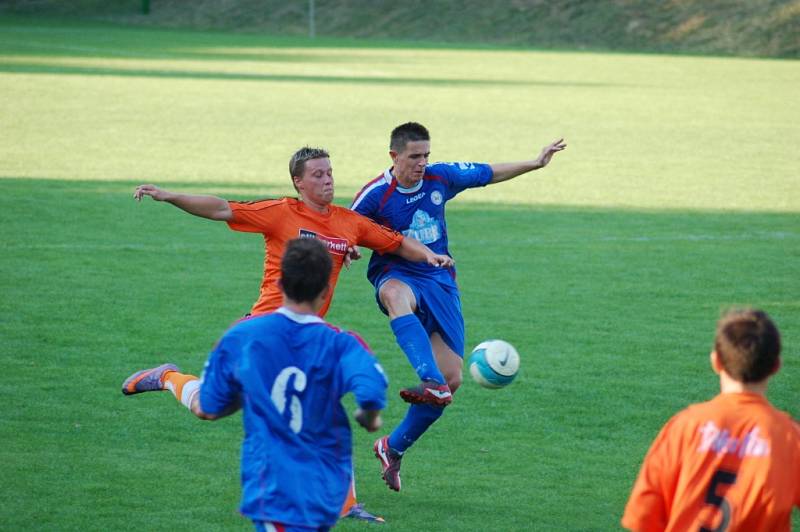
720	477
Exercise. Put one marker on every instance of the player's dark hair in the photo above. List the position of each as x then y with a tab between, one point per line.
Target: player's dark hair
748	344
405	133
305	269
297	164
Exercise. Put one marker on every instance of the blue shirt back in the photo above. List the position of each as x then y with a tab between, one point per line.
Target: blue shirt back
289	371
418	212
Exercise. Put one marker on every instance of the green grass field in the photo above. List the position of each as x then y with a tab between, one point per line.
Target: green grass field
677	197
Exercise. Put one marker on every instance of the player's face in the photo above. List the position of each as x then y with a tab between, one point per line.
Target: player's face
316	184
409	164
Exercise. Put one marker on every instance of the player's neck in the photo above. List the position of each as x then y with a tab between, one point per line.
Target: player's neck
403	181
729	385
321	208
299	308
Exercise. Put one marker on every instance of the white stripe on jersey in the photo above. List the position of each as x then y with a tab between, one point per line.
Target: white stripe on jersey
302	319
387	180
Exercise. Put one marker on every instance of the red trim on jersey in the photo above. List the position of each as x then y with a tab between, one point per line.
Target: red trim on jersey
365	187
330	326
434	177
360	341
388	193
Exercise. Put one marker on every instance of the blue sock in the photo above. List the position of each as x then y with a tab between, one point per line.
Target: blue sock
413	340
418	419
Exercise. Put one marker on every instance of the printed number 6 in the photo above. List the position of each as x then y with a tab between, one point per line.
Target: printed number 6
279	395
720	477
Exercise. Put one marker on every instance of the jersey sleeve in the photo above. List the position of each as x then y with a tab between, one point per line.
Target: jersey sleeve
255	216
461	176
375	236
220	386
365	203
361	373
648	505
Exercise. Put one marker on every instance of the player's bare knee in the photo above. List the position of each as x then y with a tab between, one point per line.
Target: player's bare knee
454	381
396	297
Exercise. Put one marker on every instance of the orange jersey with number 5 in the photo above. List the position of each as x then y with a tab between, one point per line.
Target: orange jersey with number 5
732	463
281	220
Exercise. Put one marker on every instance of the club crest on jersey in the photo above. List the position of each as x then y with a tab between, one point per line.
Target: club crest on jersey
336	246
424	227
436	197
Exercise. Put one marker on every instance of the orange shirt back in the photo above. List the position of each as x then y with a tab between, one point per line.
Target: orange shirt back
281	220
732	463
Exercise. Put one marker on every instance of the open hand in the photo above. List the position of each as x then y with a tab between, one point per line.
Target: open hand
441	261
550	150
353	253
149	190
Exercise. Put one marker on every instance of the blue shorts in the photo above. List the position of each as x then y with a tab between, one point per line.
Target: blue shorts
438	306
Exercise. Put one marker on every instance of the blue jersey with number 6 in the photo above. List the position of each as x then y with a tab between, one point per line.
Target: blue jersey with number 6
289	371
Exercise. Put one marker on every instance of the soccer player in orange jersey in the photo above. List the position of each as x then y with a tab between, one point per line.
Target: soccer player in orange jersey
732	463
313	215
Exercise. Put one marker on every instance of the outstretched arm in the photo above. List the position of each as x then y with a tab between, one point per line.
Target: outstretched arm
506	171
210	207
415	251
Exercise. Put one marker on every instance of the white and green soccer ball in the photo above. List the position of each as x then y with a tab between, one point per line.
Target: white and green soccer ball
494	363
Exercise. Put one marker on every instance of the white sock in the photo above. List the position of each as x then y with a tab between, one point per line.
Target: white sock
190	389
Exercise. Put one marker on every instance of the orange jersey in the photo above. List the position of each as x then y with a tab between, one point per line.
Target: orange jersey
282	220
732	463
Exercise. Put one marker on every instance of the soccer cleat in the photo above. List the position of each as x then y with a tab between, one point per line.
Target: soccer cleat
390	463
428	392
357	511
147	380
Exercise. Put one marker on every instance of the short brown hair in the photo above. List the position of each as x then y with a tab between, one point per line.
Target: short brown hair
405	133
305	269
748	344
297	164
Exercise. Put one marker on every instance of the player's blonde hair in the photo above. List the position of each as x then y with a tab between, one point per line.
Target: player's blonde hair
297	164
748	344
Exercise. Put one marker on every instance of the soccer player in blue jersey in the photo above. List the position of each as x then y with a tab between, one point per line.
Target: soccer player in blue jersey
423	303
287	371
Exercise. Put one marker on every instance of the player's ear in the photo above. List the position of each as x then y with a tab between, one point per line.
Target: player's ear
297	180
716	363
393	154
279	282
776	367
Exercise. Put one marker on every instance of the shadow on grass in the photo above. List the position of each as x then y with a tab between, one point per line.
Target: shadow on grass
19	40
33	68
470	223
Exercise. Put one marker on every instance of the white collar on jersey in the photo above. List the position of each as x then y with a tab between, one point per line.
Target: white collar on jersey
387	175
299	318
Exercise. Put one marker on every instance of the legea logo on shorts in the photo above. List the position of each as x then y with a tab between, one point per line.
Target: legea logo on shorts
337	246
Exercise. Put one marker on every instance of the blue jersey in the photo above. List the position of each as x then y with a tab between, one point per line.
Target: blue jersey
289	371
417	212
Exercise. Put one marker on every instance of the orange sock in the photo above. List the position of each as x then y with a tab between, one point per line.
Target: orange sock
350	501
182	386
